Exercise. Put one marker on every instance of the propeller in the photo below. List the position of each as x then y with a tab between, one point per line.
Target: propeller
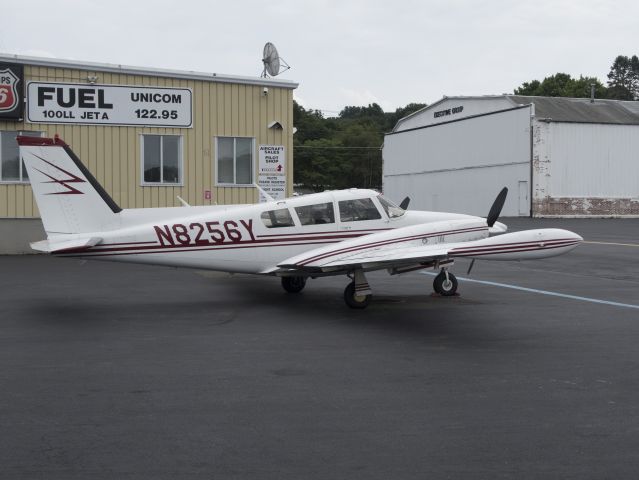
498	204
404	204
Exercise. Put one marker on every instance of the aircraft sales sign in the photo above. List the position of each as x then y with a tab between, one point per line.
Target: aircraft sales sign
109	105
272	171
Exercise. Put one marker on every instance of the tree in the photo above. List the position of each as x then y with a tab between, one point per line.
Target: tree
393	118
557	85
528	88
623	78
343	151
581	88
373	111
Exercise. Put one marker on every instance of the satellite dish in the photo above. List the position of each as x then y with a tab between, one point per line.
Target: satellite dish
272	61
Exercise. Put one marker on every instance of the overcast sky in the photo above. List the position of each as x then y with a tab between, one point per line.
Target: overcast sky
340	52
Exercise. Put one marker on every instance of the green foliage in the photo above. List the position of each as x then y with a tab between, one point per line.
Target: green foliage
623	79
528	88
342	152
562	85
623	83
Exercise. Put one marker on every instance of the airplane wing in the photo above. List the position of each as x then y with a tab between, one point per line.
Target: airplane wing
427	245
411	245
372	258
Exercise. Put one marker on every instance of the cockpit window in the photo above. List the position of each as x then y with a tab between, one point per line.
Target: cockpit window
277	218
319	214
358	210
392	210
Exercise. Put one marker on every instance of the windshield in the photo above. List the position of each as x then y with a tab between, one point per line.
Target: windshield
392	210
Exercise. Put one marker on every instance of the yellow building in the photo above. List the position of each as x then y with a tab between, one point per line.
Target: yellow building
147	135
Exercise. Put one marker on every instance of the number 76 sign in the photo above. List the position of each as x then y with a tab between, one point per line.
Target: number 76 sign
11	104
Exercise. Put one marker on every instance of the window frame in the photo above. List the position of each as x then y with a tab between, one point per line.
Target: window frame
380	211
291	212
21	181
302	224
161	183
216	181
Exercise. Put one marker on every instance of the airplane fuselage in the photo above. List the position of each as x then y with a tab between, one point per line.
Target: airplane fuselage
243	239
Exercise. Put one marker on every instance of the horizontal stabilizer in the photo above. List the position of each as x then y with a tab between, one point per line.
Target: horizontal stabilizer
61	245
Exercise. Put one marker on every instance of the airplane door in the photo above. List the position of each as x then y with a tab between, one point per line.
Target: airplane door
524	206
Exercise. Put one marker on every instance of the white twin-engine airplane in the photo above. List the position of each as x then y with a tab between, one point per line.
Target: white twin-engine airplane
347	232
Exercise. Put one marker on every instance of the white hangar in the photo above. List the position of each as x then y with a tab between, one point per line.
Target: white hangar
557	156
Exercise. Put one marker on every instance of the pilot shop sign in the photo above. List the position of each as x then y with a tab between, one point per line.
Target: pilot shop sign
272	171
108	105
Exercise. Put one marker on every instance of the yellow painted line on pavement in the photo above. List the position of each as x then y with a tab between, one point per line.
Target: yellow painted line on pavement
612	243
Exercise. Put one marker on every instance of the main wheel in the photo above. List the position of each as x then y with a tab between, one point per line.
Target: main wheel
443	286
353	300
293	284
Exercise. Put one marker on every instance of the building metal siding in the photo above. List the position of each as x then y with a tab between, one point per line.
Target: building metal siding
586	169
462	165
113	153
583	156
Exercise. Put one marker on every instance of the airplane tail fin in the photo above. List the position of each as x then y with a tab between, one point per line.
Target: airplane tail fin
69	198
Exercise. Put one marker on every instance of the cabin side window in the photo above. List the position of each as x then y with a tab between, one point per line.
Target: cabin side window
277	218
319	214
358	210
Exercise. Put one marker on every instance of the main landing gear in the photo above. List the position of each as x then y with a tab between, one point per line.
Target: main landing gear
445	283
358	294
293	284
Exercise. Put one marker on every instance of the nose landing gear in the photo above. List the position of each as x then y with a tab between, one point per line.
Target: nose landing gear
445	283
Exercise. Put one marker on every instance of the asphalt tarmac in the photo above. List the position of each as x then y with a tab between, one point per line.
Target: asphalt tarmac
132	372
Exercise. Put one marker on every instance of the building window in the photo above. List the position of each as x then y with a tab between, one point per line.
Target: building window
358	210
11	168
161	159
234	161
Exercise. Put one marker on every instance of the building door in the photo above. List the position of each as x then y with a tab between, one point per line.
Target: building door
524	209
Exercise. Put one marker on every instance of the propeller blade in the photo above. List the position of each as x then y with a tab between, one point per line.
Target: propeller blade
404	204
495	210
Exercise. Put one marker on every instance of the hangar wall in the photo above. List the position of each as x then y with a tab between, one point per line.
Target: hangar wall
585	169
460	165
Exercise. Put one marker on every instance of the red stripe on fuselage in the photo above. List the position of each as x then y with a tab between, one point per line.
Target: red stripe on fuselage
181	249
156	246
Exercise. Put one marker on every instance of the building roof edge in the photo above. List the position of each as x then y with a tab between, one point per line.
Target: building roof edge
145	71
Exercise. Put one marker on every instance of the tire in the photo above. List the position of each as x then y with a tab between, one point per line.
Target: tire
443	287
293	284
355	301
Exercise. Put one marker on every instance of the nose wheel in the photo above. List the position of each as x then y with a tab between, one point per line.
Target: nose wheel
445	283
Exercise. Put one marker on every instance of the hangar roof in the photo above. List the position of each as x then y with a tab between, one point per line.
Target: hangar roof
581	110
550	109
151	72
